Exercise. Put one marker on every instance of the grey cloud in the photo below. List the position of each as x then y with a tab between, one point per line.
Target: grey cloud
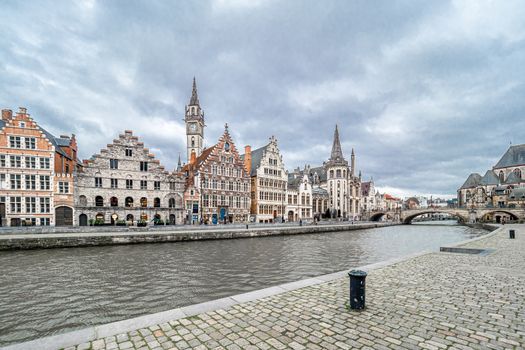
424	93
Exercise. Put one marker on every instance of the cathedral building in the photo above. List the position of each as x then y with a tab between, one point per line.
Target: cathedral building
269	180
335	185
499	186
217	184
125	185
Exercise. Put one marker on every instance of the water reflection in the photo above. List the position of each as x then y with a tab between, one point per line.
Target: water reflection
44	292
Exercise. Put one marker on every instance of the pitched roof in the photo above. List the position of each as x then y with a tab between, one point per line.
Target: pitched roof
489	178
319	191
257	156
472	181
365	188
513	178
294	181
514	156
200	159
517	194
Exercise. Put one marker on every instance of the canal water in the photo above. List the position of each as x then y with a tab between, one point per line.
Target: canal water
46	292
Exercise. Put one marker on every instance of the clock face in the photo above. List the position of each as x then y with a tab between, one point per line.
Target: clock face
193	127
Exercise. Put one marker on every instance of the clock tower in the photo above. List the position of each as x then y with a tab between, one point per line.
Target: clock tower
194	120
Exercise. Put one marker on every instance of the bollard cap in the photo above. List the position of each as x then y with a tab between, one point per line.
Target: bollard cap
357	273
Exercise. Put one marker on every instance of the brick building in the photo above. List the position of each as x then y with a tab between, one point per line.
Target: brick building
36	173
124	183
217	184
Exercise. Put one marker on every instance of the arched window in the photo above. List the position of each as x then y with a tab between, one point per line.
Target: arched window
113	201
143	202
129	202
156	202
192	141
331	174
171	202
82	200
501	176
302	199
517	172
307	199
338	173
99	201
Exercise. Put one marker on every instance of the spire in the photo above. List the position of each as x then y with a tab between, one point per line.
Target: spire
337	153
194	101
179	165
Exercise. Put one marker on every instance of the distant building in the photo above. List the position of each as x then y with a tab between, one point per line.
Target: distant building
337	177
125	184
494	188
299	197
36	173
268	182
412	203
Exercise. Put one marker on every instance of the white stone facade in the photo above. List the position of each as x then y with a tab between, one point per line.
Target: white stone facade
124	183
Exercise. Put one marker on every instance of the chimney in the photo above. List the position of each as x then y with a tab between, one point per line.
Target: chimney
7	114
22	110
193	158
248	158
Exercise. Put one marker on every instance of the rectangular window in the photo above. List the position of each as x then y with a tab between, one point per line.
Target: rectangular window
45	204
44	222
143	166
16	161
16	204
2	160
16	181
44	163
31	162
44	182
114	183
63	187
129	152
30	143
156	185
143	185
30	205
129	184
113	163
15	142
98	182
30	182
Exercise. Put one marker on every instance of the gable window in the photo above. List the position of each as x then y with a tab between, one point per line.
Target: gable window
156	185
129	152
113	163
15	142
129	184
143	185
143	166
114	183
30	143
98	182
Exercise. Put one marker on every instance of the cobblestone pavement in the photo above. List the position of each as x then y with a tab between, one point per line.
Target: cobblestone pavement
434	301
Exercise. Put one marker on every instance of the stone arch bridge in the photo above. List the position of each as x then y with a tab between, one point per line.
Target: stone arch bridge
462	214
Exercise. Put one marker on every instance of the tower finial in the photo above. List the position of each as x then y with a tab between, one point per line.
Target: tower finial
337	152
179	165
226	128
194	101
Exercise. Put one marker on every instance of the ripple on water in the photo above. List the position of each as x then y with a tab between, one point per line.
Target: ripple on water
45	292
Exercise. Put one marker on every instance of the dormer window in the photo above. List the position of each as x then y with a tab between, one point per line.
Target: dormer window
22	124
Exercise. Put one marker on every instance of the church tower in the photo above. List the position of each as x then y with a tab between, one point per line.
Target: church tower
338	172
194	119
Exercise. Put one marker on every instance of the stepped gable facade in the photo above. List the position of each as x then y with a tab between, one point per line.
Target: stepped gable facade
125	184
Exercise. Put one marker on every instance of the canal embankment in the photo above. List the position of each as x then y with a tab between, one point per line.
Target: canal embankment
88	238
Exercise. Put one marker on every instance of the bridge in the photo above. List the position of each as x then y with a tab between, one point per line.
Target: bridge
462	214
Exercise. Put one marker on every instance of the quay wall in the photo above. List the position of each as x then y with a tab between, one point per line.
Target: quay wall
87	239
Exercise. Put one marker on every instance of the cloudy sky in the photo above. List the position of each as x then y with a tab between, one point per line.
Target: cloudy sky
426	92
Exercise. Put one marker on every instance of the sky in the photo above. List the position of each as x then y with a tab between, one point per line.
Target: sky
426	92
